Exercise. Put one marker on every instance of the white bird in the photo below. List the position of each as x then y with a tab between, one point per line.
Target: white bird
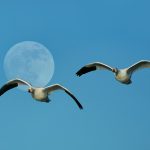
122	75
39	94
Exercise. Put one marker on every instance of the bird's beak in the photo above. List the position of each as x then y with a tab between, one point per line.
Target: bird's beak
29	90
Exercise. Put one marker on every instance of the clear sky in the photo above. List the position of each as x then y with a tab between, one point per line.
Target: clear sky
77	32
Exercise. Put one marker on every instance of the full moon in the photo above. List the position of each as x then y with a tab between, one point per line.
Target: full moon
30	61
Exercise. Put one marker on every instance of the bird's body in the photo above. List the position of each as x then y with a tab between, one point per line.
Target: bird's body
39	94
121	75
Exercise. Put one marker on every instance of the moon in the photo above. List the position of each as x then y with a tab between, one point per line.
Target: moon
30	61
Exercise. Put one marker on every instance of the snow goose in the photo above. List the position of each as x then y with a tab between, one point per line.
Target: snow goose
39	94
122	75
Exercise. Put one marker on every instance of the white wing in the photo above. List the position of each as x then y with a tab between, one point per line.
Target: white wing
93	66
60	87
139	65
12	84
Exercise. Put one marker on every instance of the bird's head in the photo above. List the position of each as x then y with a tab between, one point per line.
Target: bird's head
115	70
30	90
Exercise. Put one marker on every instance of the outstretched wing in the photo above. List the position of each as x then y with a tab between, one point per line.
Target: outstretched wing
93	66
139	65
59	87
12	84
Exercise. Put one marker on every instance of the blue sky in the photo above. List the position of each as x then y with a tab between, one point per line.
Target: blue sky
115	116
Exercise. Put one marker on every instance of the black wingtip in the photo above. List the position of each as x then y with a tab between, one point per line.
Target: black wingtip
82	71
77	74
77	102
85	70
7	87
81	107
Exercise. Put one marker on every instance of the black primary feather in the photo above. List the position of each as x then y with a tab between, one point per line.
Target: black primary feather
84	70
77	102
7	87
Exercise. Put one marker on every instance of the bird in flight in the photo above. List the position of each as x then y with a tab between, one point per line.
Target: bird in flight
122	75
39	94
